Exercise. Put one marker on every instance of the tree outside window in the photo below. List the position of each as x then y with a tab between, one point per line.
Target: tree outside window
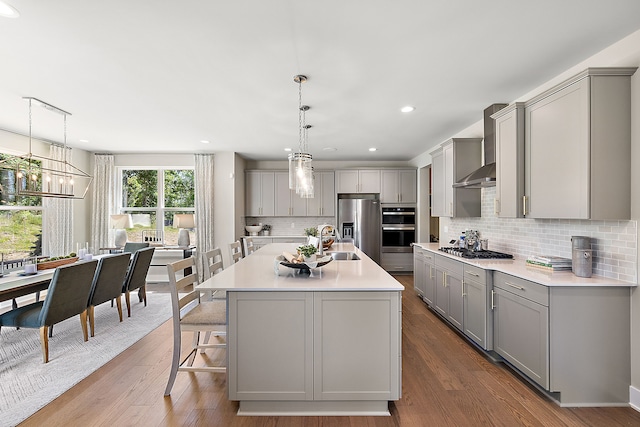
149	195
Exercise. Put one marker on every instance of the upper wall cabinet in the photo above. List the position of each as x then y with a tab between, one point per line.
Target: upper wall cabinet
398	186
324	201
578	148
454	160
358	181
509	161
260	193
287	202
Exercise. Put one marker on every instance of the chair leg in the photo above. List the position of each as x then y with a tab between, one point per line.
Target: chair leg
207	336
83	322
143	291
175	361
194	347
50	331
119	304
127	299
91	320
44	343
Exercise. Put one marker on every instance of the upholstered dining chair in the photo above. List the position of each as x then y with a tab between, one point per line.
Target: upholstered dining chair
131	247
235	249
190	313
137	277
66	297
107	284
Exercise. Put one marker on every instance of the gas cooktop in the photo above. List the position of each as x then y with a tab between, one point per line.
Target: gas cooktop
467	253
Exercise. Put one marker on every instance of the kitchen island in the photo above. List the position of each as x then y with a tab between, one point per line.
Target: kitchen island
325	343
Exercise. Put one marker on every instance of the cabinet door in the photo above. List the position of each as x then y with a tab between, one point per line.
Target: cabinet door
447	154
282	195
475	312
408	182
323	202
389	186
429	283
369	181
557	154
347	181
510	162
437	184
441	303
357	346
418	270
261	325
456	309
267	188
521	334
253	194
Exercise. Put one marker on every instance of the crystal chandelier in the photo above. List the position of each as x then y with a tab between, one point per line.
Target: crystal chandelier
45	176
300	163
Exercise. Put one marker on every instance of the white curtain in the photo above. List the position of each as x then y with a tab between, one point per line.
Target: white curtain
203	177
104	200
57	213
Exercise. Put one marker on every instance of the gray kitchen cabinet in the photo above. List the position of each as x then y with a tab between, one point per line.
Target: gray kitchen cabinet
398	186
448	293
509	125
287	202
358	181
457	158
323	203
259	193
521	325
578	147
418	271
478	322
424	274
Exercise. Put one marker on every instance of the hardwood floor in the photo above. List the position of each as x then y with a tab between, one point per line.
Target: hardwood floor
446	382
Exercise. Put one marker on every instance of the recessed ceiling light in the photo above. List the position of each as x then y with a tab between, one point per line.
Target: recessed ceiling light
407	109
8	11
373	149
287	149
204	141
329	149
84	140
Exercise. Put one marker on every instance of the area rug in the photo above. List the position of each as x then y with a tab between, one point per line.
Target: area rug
27	384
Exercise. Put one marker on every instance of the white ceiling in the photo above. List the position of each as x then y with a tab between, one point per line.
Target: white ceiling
160	76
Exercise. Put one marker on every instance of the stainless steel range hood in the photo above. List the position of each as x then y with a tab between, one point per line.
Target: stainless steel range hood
486	175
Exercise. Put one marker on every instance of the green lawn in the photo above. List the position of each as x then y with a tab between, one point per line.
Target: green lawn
19	232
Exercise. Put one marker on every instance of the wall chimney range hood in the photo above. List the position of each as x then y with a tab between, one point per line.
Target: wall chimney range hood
486	175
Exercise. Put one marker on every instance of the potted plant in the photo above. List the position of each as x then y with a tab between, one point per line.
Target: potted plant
308	252
311	231
266	229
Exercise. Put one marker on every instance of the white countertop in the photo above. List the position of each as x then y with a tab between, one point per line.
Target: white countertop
518	268
256	273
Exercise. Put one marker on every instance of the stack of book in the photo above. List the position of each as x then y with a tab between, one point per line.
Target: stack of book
551	263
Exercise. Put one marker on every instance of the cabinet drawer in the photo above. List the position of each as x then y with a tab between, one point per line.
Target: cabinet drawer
429	257
476	274
449	265
524	288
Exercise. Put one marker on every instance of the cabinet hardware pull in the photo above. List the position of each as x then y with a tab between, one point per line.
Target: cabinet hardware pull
492	304
524	205
444	279
473	274
520	288
496	206
463	294
430	272
451	208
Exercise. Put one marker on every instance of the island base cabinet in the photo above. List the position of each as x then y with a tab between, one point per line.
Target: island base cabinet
306	352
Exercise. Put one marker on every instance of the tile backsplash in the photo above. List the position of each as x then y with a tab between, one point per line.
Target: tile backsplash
289	226
614	243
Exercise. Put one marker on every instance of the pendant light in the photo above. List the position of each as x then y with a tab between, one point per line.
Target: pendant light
300	163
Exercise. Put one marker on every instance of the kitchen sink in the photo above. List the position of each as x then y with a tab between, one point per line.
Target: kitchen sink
344	256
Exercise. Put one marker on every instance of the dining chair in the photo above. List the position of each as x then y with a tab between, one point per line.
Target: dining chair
66	297
248	246
212	262
107	284
236	251
190	313
137	277
131	247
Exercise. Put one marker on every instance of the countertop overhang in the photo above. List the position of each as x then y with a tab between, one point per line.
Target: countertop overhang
517	267
256	272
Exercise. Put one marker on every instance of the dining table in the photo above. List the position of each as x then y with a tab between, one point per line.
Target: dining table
15	284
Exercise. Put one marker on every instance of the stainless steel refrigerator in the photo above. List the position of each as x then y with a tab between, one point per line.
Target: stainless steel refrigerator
359	223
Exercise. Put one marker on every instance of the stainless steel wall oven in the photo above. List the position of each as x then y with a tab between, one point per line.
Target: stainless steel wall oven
398	229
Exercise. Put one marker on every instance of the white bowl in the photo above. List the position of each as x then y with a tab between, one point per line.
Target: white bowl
253	229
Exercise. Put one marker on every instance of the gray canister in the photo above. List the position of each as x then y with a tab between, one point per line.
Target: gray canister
580	242
582	262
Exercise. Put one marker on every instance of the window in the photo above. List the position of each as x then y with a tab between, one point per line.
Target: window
152	197
20	217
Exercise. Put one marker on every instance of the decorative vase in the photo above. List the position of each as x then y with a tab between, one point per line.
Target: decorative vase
311	258
120	238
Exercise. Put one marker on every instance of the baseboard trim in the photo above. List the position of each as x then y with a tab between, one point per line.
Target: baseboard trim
634	397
